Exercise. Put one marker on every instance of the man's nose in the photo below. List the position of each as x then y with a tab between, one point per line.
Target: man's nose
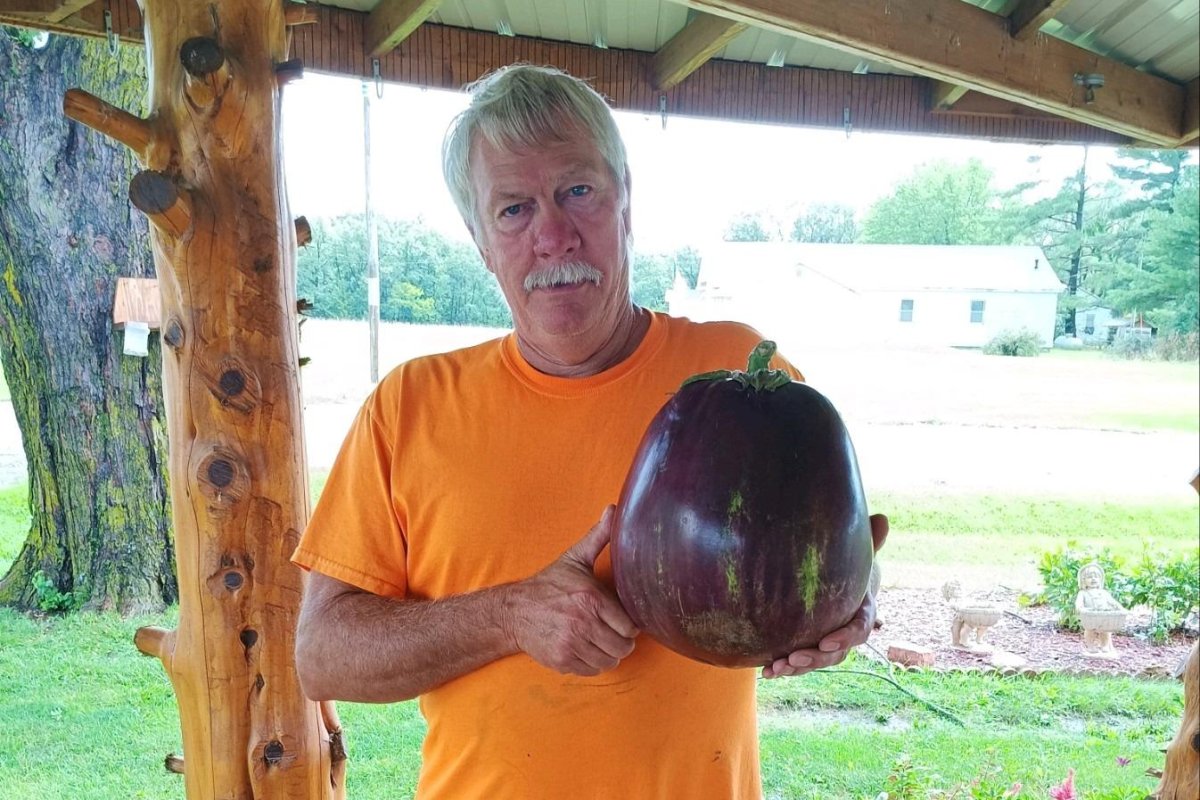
556	235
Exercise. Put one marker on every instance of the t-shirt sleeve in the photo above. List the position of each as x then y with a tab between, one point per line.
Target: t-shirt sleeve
354	534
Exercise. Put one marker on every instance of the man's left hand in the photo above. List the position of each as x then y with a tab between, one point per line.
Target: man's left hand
837	644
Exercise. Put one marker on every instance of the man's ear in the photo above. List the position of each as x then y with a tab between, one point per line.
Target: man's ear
484	252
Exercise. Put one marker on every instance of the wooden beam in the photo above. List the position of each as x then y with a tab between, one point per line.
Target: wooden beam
1191	114
393	21
977	104
52	12
33	8
696	43
963	44
946	95
1030	15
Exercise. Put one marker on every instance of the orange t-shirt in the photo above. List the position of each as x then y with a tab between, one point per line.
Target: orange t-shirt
471	469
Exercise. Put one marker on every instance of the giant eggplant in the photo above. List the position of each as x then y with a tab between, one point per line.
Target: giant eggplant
742	530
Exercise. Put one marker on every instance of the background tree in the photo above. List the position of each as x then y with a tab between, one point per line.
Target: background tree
941	203
91	418
749	228
825	223
424	276
1163	284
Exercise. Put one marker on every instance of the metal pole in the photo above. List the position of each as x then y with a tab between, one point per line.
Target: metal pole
372	239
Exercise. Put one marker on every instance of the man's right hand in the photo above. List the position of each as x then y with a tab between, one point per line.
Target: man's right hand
566	619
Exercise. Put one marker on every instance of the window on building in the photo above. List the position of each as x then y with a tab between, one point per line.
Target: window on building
906	308
976	311
1089	324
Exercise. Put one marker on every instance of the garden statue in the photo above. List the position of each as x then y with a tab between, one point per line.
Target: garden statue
972	618
1099	613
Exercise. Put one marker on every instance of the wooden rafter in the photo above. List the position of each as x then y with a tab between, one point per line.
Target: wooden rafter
1191	114
392	21
32	8
945	95
963	44
52	12
1030	15
977	104
697	42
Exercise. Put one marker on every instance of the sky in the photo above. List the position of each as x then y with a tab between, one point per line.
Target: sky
691	177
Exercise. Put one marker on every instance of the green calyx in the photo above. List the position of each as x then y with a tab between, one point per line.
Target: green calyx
758	375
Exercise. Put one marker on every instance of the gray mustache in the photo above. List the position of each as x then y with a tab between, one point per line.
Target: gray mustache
562	275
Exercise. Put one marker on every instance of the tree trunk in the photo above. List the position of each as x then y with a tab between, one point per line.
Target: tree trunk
1073	276
224	247
91	418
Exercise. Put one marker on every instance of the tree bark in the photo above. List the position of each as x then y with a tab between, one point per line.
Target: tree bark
224	246
1073	276
1181	776
91	418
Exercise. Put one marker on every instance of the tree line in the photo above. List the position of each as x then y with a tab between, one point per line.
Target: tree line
426	277
1130	242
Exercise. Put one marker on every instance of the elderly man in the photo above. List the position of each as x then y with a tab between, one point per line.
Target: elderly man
445	554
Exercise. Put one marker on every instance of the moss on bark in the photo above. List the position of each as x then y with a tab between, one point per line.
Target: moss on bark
91	418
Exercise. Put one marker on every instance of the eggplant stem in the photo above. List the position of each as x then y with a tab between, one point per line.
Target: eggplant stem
758	375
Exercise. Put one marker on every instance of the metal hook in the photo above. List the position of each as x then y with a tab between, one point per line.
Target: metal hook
378	78
109	36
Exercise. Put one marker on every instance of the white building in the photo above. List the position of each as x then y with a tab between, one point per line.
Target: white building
959	296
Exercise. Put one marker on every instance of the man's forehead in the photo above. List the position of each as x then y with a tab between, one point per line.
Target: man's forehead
496	163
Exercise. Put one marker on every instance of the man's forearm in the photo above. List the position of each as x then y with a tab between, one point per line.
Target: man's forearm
364	648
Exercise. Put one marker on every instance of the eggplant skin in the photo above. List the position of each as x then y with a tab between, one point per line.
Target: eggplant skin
742	527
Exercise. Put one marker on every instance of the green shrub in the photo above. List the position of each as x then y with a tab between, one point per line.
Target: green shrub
1168	587
1014	343
51	599
1177	347
1132	347
1060	580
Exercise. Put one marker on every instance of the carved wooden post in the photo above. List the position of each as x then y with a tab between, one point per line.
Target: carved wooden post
224	249
1181	776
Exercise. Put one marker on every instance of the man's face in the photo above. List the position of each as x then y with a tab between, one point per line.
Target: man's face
540	210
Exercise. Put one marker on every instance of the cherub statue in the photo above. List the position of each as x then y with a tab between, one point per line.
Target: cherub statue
972	619
1099	613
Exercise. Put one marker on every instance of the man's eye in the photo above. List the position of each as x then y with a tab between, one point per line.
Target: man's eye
579	191
510	211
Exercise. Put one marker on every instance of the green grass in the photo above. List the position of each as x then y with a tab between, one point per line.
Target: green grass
837	735
14	523
84	716
1010	531
1182	420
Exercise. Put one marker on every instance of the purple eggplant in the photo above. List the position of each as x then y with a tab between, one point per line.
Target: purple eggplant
742	529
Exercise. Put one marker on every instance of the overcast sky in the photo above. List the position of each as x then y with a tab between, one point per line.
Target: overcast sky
689	179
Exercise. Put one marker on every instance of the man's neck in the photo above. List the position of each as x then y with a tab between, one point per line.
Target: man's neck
562	362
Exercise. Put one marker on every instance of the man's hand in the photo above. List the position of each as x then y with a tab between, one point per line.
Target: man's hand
836	645
564	618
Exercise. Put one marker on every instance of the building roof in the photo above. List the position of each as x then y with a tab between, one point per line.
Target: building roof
864	268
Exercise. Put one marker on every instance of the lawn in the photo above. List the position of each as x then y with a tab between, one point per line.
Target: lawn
84	717
68	683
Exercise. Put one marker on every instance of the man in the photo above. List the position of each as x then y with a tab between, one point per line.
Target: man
445	554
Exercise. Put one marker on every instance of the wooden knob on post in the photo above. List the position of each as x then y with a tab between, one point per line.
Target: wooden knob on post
206	68
157	196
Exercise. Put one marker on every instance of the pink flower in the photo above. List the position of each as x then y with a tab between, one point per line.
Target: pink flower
1122	761
1066	791
1013	790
